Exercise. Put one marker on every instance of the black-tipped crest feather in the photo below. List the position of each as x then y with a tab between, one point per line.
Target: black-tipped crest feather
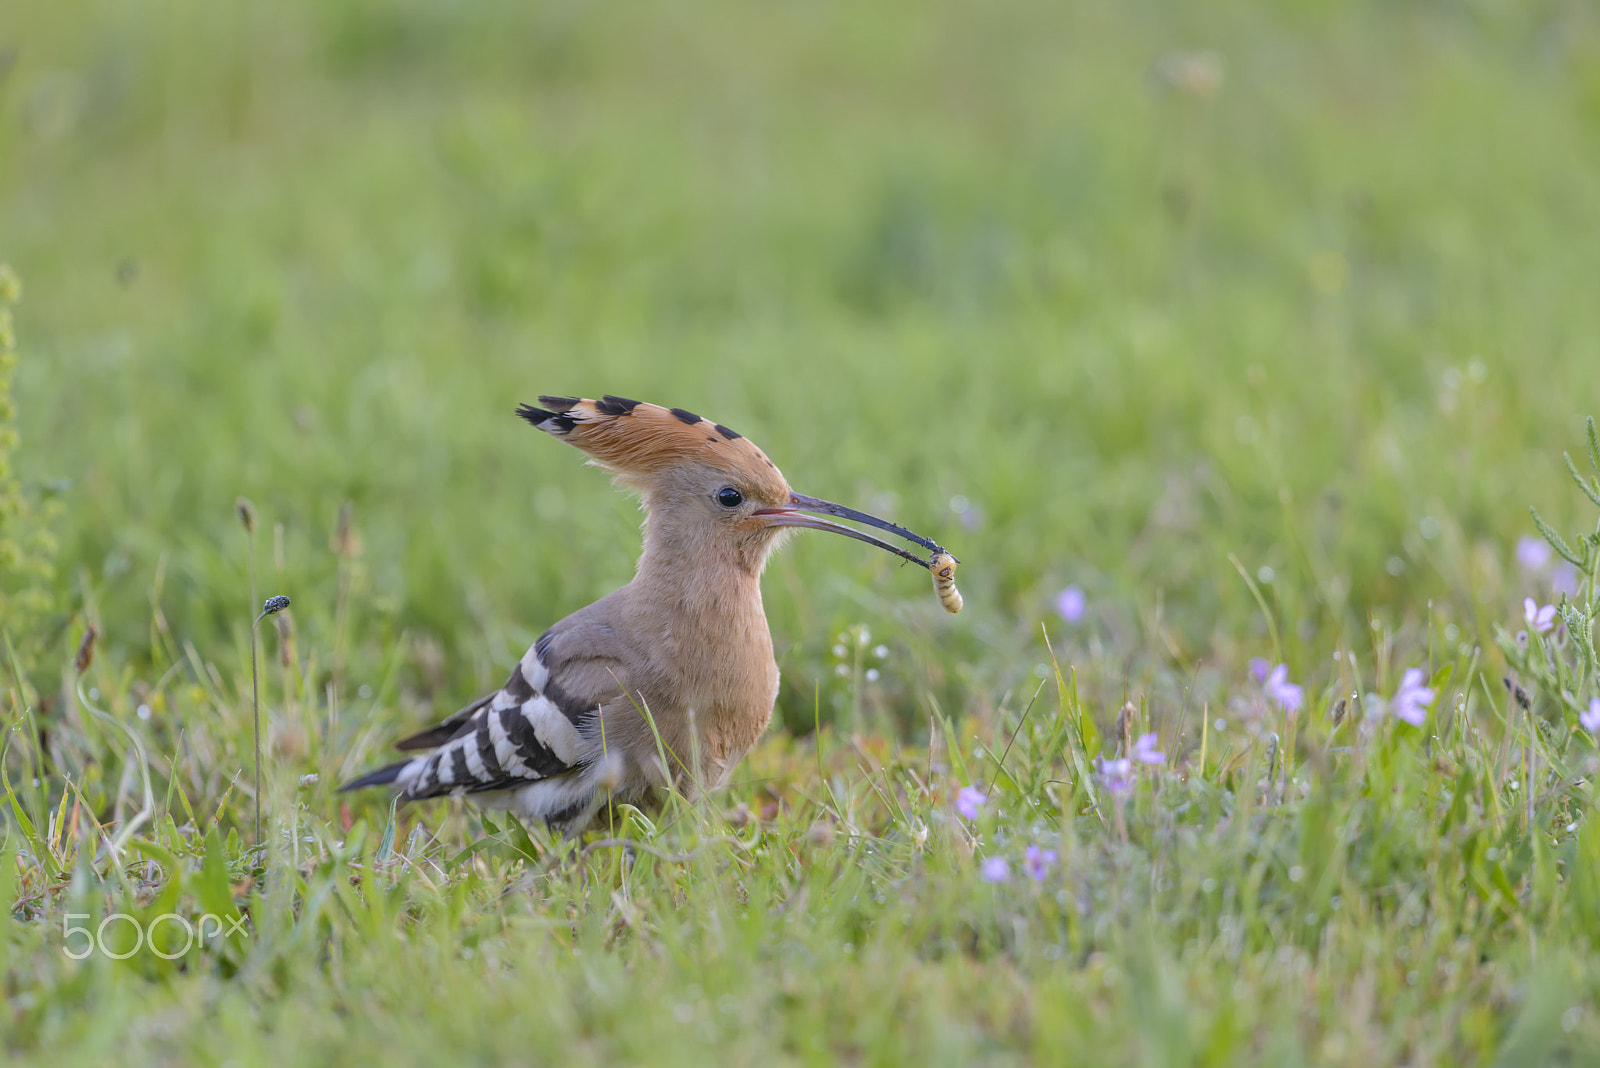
532	414
551	422
609	405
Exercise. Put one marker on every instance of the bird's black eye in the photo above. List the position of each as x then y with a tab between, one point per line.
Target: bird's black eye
729	497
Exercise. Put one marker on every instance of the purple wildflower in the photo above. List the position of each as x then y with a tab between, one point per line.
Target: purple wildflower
1145	751
1259	668
1565	579
1540	619
1070	604
1532	553
970	801
1038	862
1591	718
1280	689
1115	775
1412	699
995	870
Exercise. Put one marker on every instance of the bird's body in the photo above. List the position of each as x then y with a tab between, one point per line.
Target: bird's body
667	681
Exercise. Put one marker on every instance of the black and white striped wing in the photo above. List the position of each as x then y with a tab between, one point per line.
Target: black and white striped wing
533	728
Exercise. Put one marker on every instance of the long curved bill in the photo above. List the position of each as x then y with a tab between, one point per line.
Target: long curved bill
794	516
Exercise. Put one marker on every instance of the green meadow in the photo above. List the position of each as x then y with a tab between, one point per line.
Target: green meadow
1212	337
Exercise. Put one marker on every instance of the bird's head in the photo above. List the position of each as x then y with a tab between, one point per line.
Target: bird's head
709	491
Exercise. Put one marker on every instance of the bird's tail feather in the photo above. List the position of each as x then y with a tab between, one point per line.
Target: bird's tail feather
381	777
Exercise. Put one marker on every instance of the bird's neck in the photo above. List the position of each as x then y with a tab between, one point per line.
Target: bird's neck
683	548
700	575
701	608
697	602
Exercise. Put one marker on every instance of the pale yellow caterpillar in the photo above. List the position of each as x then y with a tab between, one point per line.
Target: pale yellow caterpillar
943	566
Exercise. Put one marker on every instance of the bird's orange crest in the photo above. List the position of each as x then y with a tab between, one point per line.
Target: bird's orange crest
635	438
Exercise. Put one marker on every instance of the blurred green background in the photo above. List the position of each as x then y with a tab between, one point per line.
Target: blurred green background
1142	285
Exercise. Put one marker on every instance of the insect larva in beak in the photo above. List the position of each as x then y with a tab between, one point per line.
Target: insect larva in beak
943	566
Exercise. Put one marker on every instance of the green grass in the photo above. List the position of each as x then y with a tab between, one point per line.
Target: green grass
1331	317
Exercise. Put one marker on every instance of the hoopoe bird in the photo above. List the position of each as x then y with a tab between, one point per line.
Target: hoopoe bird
668	681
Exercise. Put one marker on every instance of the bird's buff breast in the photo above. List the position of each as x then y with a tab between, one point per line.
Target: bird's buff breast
736	722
